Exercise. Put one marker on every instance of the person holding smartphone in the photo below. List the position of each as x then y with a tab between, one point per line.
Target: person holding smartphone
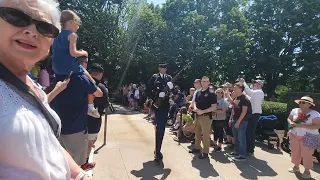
32	150
241	113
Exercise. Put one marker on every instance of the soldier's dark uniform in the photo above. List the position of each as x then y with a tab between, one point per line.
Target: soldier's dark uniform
155	85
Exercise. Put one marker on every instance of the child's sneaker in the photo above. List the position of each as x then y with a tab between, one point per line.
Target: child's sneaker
176	126
94	113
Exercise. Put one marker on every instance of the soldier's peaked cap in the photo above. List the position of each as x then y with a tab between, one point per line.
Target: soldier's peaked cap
163	65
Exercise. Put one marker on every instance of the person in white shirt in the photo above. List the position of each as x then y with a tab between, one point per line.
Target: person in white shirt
304	122
136	97
29	147
256	97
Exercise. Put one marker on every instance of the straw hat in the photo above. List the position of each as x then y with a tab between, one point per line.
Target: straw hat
305	99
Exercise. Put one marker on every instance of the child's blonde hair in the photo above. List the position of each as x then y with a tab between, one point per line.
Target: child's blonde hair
68	15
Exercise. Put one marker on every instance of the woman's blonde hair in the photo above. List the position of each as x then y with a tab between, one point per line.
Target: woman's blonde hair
69	15
220	89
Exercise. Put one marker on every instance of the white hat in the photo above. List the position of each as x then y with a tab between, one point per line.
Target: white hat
258	81
306	99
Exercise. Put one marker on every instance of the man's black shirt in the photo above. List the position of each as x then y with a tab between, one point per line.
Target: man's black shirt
100	103
204	100
238	103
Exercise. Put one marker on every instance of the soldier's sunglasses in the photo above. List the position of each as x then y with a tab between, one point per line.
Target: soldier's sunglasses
18	18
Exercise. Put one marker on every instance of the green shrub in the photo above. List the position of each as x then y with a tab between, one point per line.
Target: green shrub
278	109
282	93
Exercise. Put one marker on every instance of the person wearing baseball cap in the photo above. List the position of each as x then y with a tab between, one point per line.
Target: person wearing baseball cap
256	97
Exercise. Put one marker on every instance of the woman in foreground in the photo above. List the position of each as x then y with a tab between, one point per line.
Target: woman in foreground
304	135
29	147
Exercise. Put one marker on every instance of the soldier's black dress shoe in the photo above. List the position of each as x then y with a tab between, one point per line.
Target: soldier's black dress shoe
158	162
158	159
203	156
158	156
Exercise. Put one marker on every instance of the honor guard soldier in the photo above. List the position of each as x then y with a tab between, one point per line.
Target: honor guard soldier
205	105
158	90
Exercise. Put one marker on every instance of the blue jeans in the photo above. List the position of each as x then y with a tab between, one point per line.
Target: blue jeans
251	132
240	137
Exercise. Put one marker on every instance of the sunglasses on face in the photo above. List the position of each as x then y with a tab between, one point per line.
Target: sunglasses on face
301	102
18	18
220	92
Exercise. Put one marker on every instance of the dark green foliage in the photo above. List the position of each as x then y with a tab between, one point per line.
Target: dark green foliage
276	39
277	109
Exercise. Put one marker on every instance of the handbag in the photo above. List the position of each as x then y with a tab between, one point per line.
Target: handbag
311	141
24	90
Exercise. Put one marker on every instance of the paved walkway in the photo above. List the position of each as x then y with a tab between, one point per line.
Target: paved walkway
128	155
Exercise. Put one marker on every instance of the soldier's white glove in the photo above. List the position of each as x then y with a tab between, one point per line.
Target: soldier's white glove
162	94
170	85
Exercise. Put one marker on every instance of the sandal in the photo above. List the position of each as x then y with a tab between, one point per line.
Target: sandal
294	170
305	176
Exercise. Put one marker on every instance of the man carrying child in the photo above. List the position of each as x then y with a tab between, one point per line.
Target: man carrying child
72	104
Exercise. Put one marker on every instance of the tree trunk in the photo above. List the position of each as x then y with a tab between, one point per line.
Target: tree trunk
271	85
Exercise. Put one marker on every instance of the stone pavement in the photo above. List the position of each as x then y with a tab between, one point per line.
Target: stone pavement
128	155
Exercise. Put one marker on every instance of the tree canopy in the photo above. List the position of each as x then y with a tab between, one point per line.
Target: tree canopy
275	39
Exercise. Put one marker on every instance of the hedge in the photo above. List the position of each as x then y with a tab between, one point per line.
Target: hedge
278	109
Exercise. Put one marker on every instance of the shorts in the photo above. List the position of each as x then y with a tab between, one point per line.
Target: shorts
92	137
76	145
94	125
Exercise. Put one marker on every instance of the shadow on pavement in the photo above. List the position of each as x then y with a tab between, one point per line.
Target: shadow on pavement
151	169
316	167
204	166
298	175
253	168
265	148
220	157
124	111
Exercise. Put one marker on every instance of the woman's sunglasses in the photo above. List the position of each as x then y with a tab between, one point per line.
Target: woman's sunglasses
18	18
301	102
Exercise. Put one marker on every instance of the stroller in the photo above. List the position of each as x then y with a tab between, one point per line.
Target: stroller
266	130
285	145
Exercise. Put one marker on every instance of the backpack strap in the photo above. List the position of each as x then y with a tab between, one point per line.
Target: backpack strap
13	80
